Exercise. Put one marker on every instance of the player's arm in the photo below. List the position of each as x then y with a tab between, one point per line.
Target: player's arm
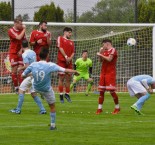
145	84
27	71
23	67
107	58
49	42
71	57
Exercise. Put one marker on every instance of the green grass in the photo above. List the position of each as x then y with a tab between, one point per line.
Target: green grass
77	123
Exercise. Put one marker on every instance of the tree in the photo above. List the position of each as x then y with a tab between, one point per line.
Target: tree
49	13
24	17
5	11
146	11
110	11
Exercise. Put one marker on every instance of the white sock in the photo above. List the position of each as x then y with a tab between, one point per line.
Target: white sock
117	106
99	106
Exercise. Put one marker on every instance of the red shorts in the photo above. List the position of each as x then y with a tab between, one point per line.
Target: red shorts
64	65
107	83
15	59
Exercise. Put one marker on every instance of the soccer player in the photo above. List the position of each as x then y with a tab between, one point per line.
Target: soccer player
41	72
64	59
140	86
40	38
16	35
29	56
108	57
84	67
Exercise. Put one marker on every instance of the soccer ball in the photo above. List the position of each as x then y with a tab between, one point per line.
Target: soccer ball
131	42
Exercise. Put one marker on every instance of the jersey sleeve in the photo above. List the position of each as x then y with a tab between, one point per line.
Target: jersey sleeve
12	34
27	70
55	68
59	42
91	64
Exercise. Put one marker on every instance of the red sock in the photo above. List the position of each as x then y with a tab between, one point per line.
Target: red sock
14	79
67	90
61	89
115	97
20	79
101	98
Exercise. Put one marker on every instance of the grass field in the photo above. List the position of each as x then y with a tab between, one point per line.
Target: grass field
77	123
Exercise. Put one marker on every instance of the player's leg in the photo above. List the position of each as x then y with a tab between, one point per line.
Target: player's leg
116	102
75	80
67	85
102	91
50	98
60	86
20	64
14	65
90	83
136	89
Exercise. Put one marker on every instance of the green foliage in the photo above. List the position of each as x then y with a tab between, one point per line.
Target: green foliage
5	11
146	11
24	17
109	11
49	13
77	123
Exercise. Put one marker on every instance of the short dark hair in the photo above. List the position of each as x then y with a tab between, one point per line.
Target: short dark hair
25	43
18	19
106	40
44	53
67	29
84	51
41	22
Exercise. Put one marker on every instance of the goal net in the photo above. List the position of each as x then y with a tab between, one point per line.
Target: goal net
131	60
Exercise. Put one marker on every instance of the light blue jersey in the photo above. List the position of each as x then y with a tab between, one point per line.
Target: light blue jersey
29	56
41	72
140	78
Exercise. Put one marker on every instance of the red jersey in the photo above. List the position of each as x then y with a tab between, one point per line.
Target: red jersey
109	68
67	45
35	36
15	44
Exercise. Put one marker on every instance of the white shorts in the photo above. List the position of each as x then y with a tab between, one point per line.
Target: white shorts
49	96
135	87
27	84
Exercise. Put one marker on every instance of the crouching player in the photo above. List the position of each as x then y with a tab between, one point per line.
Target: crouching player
84	67
29	56
140	86
41	72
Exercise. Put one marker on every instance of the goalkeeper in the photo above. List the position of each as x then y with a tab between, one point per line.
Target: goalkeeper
84	67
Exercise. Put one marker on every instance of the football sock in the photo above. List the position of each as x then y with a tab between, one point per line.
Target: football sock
89	87
20	101
100	100
39	103
60	89
53	118
20	79
14	79
141	101
115	97
67	90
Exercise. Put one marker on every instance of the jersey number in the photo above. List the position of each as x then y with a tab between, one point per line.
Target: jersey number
40	75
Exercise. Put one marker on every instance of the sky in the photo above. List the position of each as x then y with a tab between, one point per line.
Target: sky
31	6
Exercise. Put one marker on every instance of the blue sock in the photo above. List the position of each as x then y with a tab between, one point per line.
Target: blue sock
53	117
39	103
20	101
142	100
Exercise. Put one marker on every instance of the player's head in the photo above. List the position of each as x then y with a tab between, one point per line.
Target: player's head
67	32
106	43
25	44
18	23
43	26
44	52
84	54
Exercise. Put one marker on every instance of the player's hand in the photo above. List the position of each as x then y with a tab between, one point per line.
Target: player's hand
39	41
19	69
76	73
99	54
24	26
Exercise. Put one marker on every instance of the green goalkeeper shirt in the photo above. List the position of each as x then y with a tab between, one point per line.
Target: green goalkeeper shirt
83	66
